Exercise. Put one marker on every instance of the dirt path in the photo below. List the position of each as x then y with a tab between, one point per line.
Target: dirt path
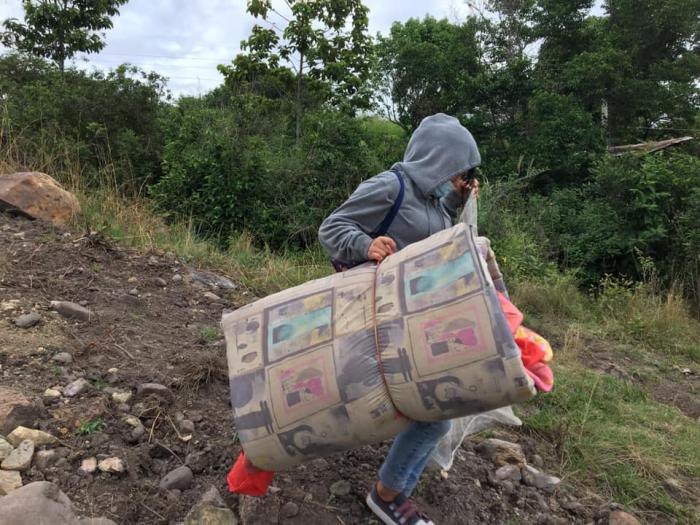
153	324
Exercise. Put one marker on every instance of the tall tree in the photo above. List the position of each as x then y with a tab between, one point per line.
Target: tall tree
58	29
324	40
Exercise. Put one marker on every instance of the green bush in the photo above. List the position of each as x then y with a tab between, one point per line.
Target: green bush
234	168
81	127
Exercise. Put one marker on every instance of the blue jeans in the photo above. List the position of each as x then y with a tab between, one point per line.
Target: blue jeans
409	454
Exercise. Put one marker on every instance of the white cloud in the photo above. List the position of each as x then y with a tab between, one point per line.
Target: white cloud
185	40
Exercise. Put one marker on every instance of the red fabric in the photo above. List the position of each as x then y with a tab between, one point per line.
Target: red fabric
245	478
530	349
513	315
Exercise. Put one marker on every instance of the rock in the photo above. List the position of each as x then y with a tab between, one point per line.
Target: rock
619	517
76	387
197	461
212	297
121	398
213	280
160	391
133	421
38	437
289	510
258	511
95	521
15	410
5	449
72	310
63	357
39	196
177	278
209	514
9	480
180	478
186	426
508	472
137	433
45	459
534	478
213	496
88	466
537	461
158	281
28	320
20	458
501	452
35	503
51	393
341	488
134	292
111	465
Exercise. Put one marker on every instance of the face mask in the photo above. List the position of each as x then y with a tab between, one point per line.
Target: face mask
443	189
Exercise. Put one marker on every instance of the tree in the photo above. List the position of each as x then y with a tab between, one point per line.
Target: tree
58	29
427	66
318	44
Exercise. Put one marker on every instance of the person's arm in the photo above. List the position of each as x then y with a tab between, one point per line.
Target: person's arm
345	232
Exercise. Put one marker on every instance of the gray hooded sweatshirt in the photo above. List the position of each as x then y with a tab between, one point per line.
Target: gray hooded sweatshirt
439	149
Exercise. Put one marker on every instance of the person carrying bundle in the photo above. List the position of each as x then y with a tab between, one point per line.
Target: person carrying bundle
418	197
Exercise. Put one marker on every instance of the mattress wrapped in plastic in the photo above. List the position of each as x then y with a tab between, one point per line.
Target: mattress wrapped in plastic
350	359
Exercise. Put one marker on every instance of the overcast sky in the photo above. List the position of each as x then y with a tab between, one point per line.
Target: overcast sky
184	40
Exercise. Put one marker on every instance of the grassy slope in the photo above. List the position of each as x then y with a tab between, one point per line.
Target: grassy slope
608	435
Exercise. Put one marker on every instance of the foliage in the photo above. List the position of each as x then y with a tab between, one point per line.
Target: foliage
63	122
235	169
90	427
60	29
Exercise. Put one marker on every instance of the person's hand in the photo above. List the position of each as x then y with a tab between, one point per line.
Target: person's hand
463	187
380	248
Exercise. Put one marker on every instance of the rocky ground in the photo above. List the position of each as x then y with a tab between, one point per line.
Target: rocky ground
114	365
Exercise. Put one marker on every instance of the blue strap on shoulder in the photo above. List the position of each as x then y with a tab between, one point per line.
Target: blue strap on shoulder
383	228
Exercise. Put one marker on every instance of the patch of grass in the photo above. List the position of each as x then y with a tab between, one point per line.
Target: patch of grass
90	427
135	223
613	439
210	333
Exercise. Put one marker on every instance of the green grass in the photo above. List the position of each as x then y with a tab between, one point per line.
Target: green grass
90	427
613	439
210	333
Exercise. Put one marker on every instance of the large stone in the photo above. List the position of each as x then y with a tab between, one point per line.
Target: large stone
112	465
72	310
619	517
9	480
540	480
38	502
38	437
27	320
76	387
45	459
154	389
180	478
508	472
20	458
37	195
5	449
501	452
213	280
15	410
208	514
88	466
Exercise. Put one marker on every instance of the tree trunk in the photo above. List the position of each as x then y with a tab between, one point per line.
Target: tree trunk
300	82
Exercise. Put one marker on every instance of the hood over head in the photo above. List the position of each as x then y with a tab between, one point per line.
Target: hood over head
439	149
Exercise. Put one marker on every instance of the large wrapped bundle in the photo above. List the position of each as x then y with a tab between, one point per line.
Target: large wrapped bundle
349	359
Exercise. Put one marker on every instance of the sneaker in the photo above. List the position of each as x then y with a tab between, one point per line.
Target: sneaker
401	511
